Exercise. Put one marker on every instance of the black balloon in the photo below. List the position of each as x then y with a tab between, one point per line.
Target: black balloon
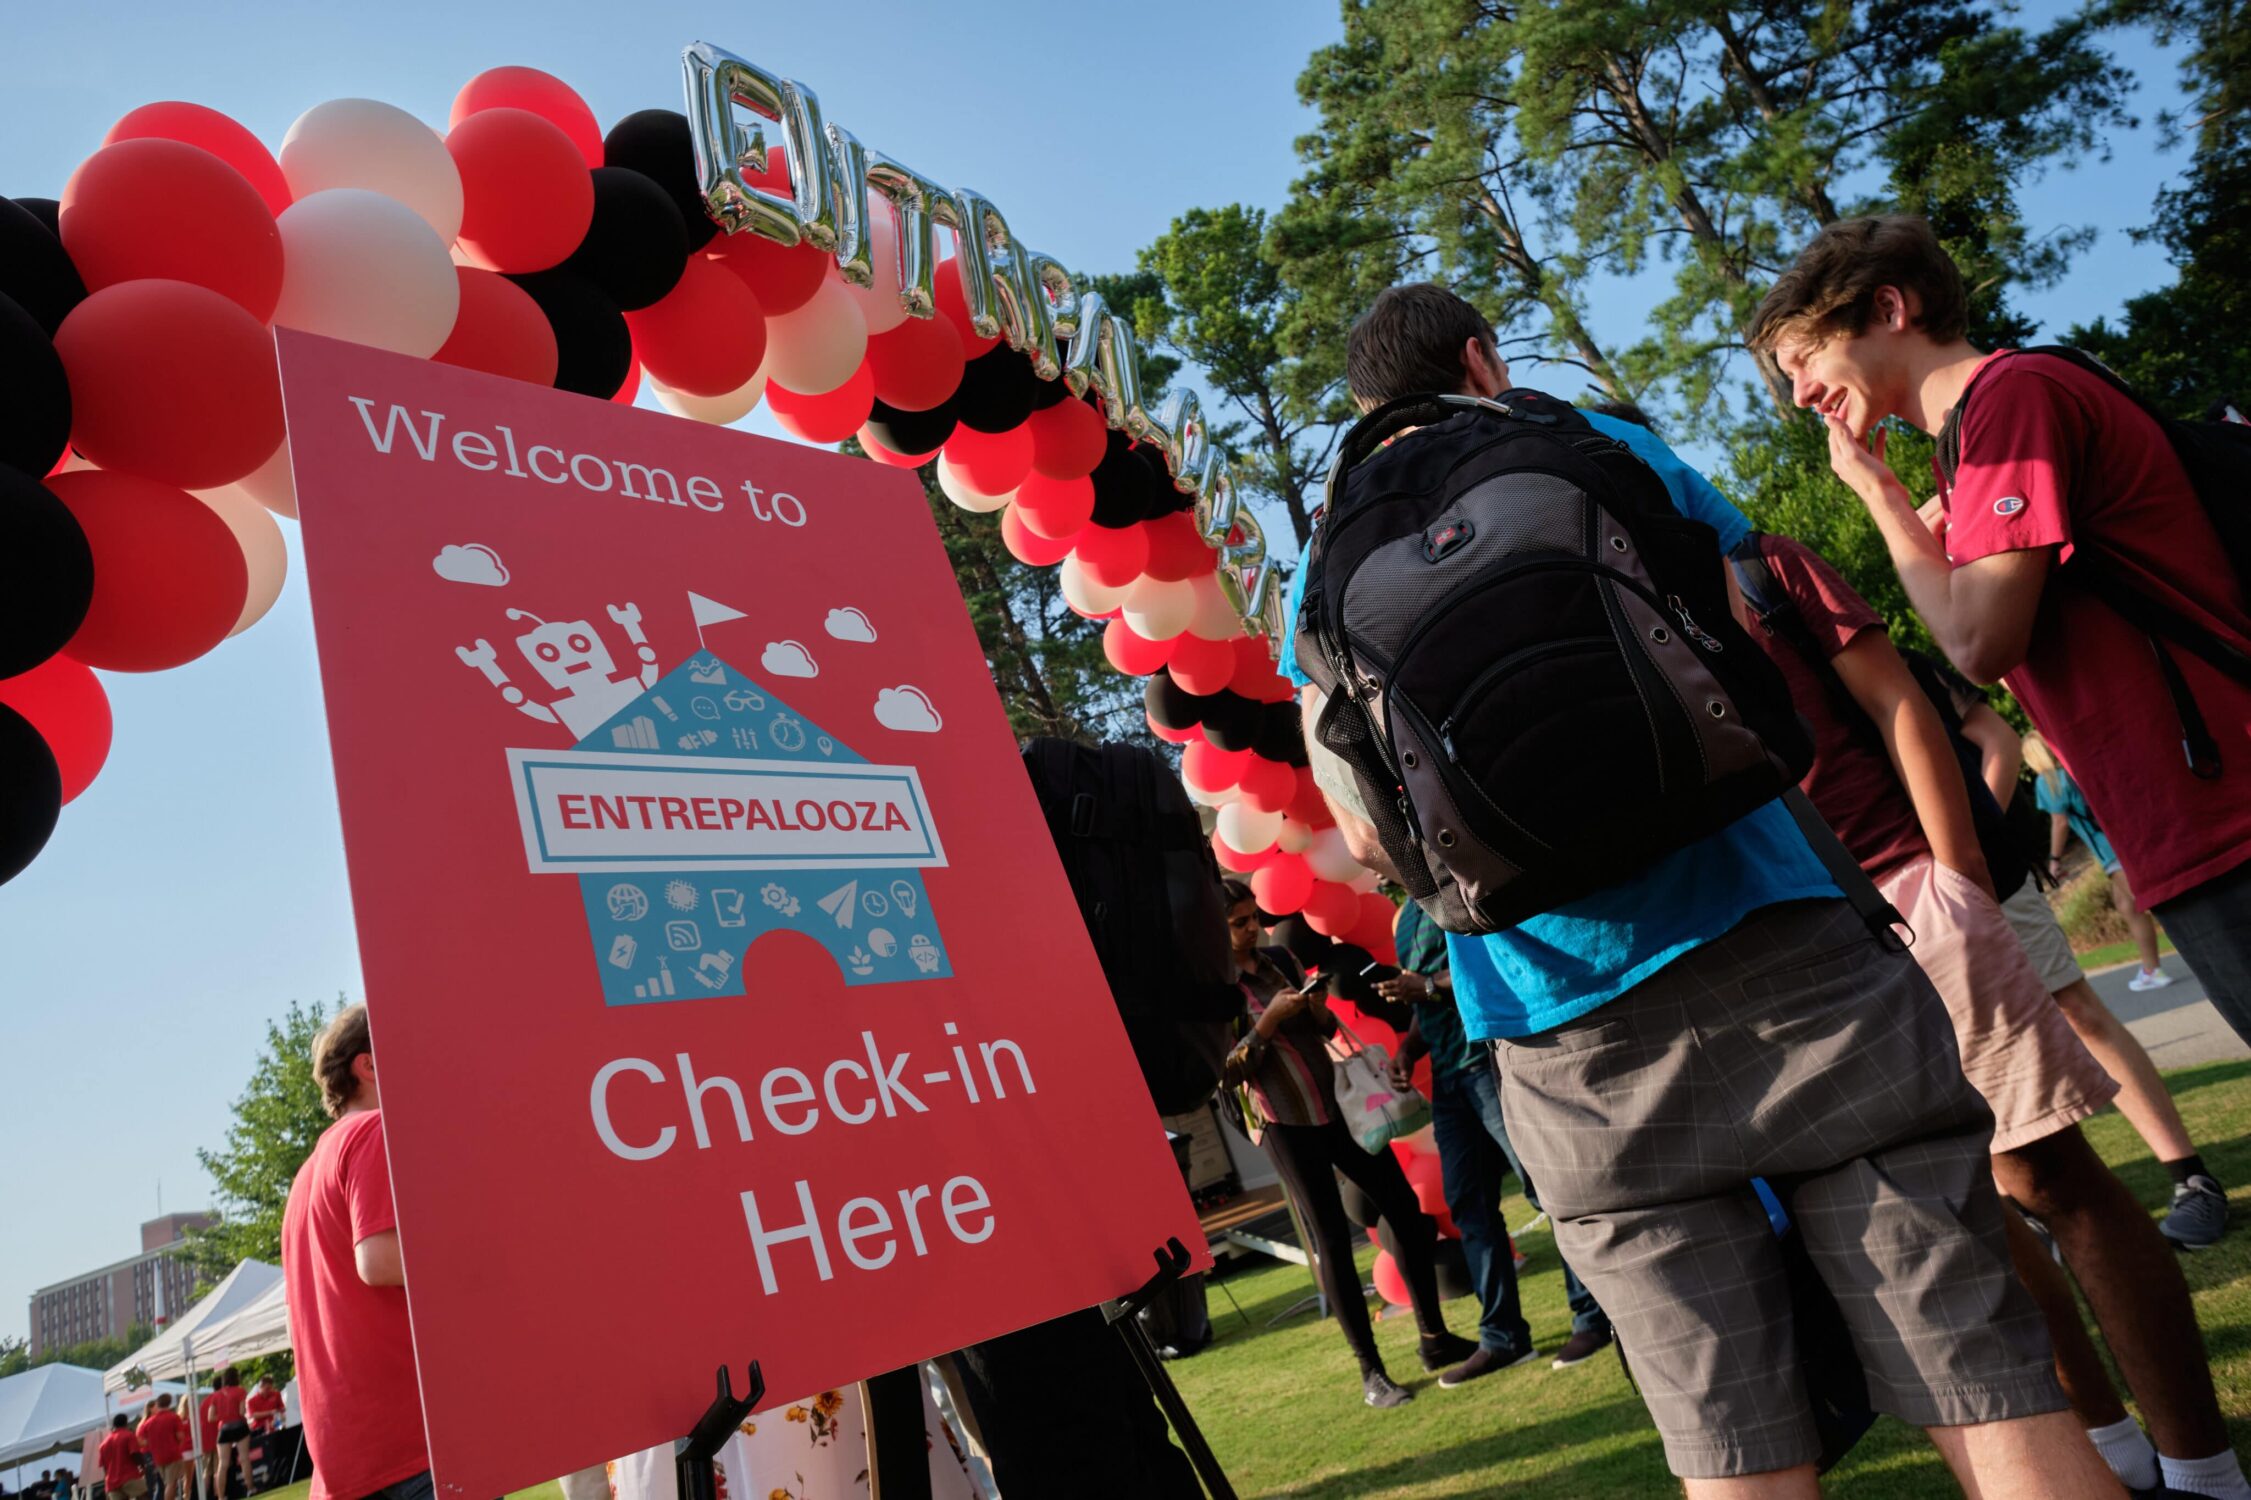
1165	497
46	574
1121	485
1278	735
34	271
1170	705
48	211
1047	393
31	793
656	143
35	419
996	392
911	432
593	347
1232	721
637	245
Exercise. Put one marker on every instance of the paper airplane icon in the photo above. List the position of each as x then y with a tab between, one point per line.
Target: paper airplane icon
842	903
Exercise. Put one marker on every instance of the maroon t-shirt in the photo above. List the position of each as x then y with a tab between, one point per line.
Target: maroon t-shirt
1852	783
2052	456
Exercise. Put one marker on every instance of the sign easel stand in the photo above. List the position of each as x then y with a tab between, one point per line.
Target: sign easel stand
695	1460
1172	1261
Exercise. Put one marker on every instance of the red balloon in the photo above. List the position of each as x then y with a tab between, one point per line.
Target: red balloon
157	208
1309	806
542	94
1135	654
708	334
1207	766
1031	547
1391	1283
629	387
499	330
994	463
1112	556
1068	439
917	365
945	288
169	579
172	381
526	196
1231	858
830	417
194	125
1331	909
1176	550
784	277
1171	736
1253	666
883	455
1204	667
1268	785
1055	507
1282	886
64	701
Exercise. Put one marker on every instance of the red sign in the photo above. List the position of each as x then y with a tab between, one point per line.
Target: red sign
729	1000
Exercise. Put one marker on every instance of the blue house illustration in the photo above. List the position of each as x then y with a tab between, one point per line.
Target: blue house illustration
661	935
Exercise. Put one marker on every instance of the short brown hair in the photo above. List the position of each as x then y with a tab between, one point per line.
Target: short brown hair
1830	289
339	1042
1411	341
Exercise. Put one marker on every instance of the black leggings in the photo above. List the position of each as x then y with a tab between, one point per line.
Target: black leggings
1308	1157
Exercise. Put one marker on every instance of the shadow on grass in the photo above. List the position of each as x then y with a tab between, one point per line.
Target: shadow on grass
1604	1449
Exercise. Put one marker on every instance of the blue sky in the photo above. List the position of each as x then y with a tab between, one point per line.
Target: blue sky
199	885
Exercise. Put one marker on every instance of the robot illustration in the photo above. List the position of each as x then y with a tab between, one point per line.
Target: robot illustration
570	657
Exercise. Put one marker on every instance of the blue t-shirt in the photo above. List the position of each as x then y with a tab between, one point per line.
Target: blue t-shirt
1564	963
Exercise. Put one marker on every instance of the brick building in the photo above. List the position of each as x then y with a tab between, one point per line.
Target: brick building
156	1284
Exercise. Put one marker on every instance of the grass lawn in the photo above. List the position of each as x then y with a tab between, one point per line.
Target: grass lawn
1282	1407
2118	953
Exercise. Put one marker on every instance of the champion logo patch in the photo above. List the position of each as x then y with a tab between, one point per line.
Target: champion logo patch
2008	505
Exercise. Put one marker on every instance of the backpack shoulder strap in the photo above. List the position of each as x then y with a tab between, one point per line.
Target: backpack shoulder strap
1882	918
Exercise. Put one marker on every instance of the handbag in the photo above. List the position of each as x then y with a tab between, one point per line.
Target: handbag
1374	1113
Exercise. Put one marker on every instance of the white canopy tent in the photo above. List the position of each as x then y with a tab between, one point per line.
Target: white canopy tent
178	1351
260	1326
54	1406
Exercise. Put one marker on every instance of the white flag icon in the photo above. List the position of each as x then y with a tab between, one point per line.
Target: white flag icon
710	611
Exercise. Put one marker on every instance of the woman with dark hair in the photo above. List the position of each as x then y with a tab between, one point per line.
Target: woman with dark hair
1282	1064
229	1401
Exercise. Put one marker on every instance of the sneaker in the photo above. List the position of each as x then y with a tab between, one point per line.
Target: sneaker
1484	1361
1377	1389
1583	1345
2199	1215
2149	979
1442	1349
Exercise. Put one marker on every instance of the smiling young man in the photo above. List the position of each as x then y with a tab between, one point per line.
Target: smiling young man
2058	473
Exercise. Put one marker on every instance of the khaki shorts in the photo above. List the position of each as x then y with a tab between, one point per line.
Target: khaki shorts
2036	927
2017	1048
1796	1049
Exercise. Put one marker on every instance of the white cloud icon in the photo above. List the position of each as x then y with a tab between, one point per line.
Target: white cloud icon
787	659
849	624
474	563
907	709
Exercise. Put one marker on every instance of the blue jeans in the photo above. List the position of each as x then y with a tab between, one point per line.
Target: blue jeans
1476	1157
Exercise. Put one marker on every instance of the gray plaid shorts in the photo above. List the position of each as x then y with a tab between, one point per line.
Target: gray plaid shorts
1796	1049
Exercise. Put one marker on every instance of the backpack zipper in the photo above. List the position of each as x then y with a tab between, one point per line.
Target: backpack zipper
1514	661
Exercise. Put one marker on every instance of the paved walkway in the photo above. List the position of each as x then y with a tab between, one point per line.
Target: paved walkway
2177	1024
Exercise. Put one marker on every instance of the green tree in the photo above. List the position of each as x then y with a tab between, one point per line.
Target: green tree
276	1121
15	1355
1221	302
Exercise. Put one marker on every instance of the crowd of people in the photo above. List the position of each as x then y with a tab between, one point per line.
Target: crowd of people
155	1457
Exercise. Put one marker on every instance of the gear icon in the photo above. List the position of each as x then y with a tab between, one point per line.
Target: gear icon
780	900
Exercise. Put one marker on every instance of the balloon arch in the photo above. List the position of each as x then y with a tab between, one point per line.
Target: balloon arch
740	252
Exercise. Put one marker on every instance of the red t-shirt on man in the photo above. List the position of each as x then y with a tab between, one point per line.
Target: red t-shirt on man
2052	456
1852	784
263	1407
165	1435
355	1356
116	1453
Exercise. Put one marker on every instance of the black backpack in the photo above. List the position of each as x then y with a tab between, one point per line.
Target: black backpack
2007	860
1148	890
1530	663
2217	458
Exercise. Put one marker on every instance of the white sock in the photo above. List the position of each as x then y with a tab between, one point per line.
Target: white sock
2124	1447
2219	1476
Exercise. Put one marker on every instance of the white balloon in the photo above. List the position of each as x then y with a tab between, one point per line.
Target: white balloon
364	143
717	410
271	484
815	349
358	265
961	492
880	303
264	553
1158	609
1085	595
1329	858
1296	837
1219	798
1247	830
1215	619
